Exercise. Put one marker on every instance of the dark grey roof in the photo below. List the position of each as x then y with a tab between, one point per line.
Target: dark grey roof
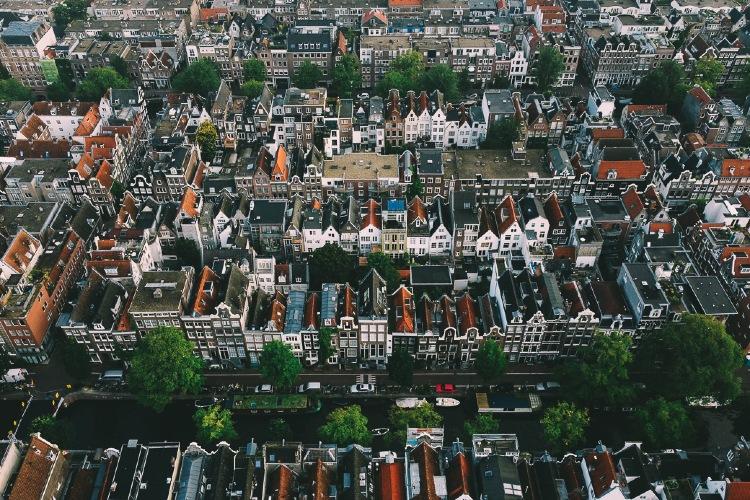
430	161
430	275
267	212
708	296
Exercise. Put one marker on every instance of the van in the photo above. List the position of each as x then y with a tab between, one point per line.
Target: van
309	387
112	376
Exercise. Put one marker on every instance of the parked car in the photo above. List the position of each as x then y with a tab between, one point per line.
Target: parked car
362	389
445	388
472	96
264	389
310	387
364	95
547	386
206	402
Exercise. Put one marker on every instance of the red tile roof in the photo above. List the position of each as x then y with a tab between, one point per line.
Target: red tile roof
700	95
21	251
664	227
564	252
189	203
602	471
35	470
404	3
280	170
506	214
733	167
391	484
312	311
467	313
459	477
738	491
417	210
207	294
372	214
374	13
89	122
40	149
104	175
607	133
277	315
633	204
426	459
403	304
628	169
636	108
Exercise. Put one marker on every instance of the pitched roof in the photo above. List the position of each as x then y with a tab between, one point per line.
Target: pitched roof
207	294
21	251
280	169
738	491
189	204
632	202
627	169
459	477
602	471
391	482
371	214
89	122
35	470
312	311
735	167
607	133
506	214
403	309
467	313
700	95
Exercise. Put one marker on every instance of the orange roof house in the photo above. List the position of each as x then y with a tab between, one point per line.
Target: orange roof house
402	310
280	171
628	169
734	167
190	205
43	467
21	253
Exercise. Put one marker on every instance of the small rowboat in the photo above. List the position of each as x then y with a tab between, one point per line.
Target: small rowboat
447	402
380	431
410	402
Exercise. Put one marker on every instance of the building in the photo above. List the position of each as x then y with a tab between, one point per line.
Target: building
24	52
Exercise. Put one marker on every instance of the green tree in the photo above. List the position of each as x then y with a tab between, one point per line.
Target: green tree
279	429
345	426
76	359
347	76
163	365
707	73
279	365
666	424
502	133
565	425
501	82
666	84
599	374
325	344
12	90
58	91
490	362
692	358
252	88
98	81
214	424
401	367
117	190
548	67
5	362
743	87
441	77
415	187
53	429
464	81
69	10
188	254
423	416
383	264
206	138
331	264
307	75
119	65
4	75
255	70
200	77
404	73
483	423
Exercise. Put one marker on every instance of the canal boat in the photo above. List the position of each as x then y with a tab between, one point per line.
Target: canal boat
447	402
410	402
380	431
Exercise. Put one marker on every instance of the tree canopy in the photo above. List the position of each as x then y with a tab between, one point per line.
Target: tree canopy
252	88
76	359
163	365
214	424
401	367
666	84
707	73
665	424
206	137
347	76
548	67
279	429
254	69
58	91
307	75
565	425
441	77
278	364
385	267
483	423
200	77
599	374
692	358
490	362
12	90
404	73
69	10
53	429
98	81
400	419
330	264
345	426
325	349
502	133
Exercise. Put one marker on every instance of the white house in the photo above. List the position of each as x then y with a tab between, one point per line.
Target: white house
417	228
441	228
534	221
370	228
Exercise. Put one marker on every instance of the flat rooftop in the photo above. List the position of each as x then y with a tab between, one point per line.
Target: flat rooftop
494	164
159	291
361	166
709	297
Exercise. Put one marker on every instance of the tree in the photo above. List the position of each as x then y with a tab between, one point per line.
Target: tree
200	77
743	87
347	76
98	81
483	423
707	73
423	416
119	65
255	70
401	367
12	90
214	424
385	268
404	74
548	67
4	75
58	91
252	88
163	365
565	425
325	342
416	186
278	364
76	359
279	429
441	77
69	10
345	426
330	264
665	84
188	254
206	138
501	82
693	358
117	190
490	362
464	81
502	133
5	362
666	424
599	375
53	429
307	75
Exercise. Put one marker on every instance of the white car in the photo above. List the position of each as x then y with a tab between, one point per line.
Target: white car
264	389
362	389
364	95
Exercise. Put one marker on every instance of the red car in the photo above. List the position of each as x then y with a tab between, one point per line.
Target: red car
445	388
